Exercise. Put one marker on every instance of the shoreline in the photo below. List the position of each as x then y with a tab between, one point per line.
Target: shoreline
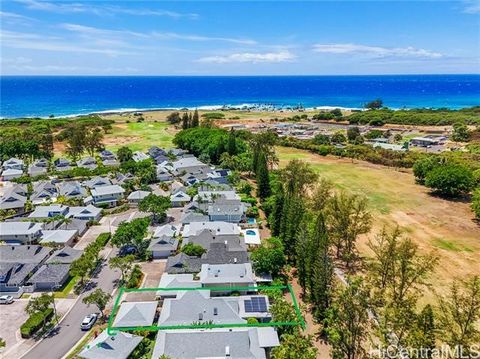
241	107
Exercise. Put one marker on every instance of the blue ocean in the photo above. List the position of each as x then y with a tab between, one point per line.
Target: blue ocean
41	96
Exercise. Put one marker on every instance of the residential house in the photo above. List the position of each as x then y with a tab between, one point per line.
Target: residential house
105	346
170	281
11	173
107	155
43	191
97	181
182	263
216	228
155	152
163	246
166	230
51	211
13	164
88	163
121	178
205	238
13	201
111	162
179	198
190	179
108	158
107	195
38	168
251	343
20	232
18	188
64	237
62	164
198	306
87	213
50	277
227	211
135	314
188	165
65	255
218	253
71	189
136	197
190	217
18	263
163	175
227	275
139	156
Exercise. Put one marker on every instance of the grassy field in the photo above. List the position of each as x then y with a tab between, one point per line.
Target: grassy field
435	224
139	136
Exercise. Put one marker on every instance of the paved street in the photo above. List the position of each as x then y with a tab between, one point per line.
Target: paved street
68	332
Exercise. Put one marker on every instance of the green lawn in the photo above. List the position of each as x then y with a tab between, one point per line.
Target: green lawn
374	183
139	136
67	288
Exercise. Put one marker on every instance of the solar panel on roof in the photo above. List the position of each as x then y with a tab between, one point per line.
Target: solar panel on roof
255	304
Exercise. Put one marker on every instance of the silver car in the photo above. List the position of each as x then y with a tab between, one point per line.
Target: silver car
6	299
89	321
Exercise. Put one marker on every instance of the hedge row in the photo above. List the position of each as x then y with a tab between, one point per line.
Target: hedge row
135	277
360	152
35	322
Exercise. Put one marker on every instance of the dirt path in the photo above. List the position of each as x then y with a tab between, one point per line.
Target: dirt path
312	328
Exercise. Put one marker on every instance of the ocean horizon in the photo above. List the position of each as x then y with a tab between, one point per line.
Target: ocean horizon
42	96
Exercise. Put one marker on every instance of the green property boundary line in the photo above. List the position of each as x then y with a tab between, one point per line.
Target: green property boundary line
112	330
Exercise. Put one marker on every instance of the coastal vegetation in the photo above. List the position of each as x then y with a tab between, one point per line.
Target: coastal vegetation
436	117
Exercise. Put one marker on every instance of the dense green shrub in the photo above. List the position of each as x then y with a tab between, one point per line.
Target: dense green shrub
476	203
35	322
192	249
206	142
438	117
135	277
450	180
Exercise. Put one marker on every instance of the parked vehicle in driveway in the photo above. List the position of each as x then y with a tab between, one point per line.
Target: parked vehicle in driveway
89	321
6	299
127	250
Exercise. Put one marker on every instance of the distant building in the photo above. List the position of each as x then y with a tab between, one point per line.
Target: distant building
424	141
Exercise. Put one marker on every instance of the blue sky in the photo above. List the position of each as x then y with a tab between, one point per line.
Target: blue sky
239	38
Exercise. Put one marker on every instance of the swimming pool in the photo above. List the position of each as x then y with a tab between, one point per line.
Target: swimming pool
251	220
250	232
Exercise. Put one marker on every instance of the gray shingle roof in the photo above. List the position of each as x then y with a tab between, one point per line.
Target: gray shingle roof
23	254
65	255
241	343
50	273
163	243
117	346
133	314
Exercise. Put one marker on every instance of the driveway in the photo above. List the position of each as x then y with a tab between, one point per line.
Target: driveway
12	316
153	272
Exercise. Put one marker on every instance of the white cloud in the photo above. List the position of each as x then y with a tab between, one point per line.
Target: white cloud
30	41
72	7
472	6
249	57
376	51
189	37
93	31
